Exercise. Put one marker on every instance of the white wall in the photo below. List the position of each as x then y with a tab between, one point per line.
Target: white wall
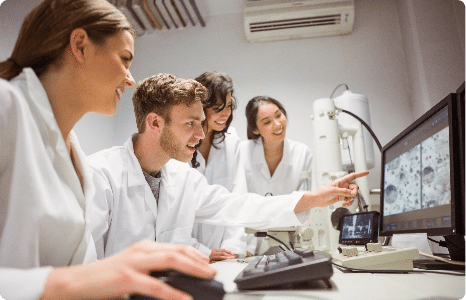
433	38
375	60
371	60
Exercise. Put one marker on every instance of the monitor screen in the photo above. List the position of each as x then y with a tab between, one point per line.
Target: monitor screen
420	176
359	228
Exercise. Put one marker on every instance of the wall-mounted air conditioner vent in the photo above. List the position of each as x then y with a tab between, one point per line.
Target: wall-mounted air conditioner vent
334	19
269	20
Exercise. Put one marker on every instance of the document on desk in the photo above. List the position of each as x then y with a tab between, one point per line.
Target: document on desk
417	240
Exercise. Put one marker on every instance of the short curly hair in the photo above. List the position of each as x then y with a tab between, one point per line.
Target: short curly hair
159	93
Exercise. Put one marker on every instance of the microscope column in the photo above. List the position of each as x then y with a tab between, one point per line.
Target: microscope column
328	167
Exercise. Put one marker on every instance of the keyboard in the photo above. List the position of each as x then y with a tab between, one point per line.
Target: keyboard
285	268
383	258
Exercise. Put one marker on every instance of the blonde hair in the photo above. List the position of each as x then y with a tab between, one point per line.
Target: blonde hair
45	32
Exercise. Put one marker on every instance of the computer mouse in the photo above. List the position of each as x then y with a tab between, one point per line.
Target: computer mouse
199	289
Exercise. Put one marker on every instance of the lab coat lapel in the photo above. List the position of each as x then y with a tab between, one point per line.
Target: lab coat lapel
209	173
166	201
202	163
136	177
86	247
259	158
58	153
285	163
50	132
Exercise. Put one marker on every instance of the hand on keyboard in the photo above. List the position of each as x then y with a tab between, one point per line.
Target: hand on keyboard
284	268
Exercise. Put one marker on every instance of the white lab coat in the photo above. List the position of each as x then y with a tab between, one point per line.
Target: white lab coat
44	215
219	170
126	210
253	175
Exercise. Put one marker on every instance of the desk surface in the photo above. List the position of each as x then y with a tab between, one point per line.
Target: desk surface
352	286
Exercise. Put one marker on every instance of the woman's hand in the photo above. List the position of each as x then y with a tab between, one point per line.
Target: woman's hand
341	189
128	272
221	254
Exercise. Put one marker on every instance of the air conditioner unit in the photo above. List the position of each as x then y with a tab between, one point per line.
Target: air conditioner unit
271	20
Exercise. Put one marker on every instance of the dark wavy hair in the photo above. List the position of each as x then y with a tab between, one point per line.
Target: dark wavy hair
251	113
219	85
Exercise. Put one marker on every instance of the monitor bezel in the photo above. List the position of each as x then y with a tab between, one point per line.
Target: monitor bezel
456	227
461	148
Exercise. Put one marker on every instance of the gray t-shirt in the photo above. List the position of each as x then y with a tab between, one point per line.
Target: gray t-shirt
154	183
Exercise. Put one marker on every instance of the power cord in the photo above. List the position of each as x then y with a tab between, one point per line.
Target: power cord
356	270
440	243
355	116
453	262
265	234
444	243
365	125
341	84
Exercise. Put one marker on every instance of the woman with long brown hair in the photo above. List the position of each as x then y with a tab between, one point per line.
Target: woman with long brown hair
71	57
215	159
269	163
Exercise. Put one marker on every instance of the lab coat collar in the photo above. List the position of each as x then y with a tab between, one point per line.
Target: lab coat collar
135	175
136	178
259	157
38	101
29	83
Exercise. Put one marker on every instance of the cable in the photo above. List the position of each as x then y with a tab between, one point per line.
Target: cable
351	160
274	238
356	270
365	125
264	234
440	243
331	96
453	262
386	241
362	204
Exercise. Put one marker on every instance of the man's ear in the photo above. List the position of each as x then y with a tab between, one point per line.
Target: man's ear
154	122
79	41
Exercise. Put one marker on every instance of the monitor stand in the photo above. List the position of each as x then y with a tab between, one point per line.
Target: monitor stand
455	245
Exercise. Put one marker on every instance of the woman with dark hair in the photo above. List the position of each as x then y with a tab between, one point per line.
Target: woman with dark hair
268	163
71	57
215	159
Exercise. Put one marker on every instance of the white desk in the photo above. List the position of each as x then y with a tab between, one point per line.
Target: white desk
352	286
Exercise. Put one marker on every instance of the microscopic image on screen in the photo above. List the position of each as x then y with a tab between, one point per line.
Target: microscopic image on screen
436	170
357	227
402	175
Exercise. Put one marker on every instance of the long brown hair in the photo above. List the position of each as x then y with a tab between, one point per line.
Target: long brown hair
45	32
219	84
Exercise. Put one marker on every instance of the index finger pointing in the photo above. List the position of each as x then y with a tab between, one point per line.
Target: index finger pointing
353	176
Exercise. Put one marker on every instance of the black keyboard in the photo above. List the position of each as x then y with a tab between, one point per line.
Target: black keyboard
284	268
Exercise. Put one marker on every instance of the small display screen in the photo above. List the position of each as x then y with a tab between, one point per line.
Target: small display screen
359	228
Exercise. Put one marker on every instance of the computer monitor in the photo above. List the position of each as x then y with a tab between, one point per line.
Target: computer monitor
422	180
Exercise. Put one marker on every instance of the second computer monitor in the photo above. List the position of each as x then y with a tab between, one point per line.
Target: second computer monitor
421	175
